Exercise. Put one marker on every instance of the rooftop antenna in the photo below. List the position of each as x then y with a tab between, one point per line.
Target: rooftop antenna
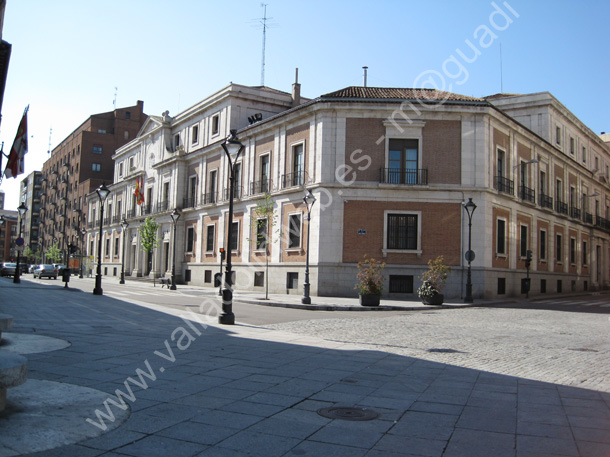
50	134
114	101
365	75
265	23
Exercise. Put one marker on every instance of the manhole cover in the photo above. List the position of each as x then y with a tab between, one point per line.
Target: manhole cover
583	349
348	414
446	350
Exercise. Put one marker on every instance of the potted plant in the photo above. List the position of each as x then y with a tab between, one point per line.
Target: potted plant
433	281
370	281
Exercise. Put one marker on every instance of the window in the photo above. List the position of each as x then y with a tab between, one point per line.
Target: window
262	234
294	231
131	163
126	134
101	131
403	161
501	163
127	114
265	173
523	241
558	135
572	146
259	279
297	165
559	190
116	247
209	244
402	231
207	276
190	239
572	250
542	245
212	182
558	248
195	134
96	166
193	190
237	176
401	284
107	250
176	141
215	124
121	170
97	149
234	236
542	183
584	155
500	236
584	253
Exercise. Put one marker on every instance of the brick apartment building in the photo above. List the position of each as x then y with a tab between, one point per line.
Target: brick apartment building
30	193
77	166
391	170
8	234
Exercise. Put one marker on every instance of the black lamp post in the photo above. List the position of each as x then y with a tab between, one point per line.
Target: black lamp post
469	207
22	210
83	232
102	193
124	226
2	225
232	148
309	200
175	215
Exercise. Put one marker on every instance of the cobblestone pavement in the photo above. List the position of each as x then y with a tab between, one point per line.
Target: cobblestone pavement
559	347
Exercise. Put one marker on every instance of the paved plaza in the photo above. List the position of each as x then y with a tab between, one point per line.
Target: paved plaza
164	380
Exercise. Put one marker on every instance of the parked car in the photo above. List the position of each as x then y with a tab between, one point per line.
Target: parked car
8	269
60	268
45	271
32	268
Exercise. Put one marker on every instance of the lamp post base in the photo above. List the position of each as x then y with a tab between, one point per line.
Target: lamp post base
98	286
227	317
306	300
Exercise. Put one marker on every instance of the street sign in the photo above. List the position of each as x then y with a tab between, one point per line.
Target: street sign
19	241
469	256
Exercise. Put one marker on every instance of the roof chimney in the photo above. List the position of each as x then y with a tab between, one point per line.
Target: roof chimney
296	89
365	74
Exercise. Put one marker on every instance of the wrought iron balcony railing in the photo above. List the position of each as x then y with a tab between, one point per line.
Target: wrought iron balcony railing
237	193
260	187
210	198
588	218
415	177
561	207
504	185
545	201
189	202
293	179
527	194
574	212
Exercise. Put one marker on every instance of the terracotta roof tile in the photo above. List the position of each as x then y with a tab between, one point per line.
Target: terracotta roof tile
381	93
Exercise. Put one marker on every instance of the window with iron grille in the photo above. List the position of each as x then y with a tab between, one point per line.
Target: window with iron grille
401	284
402	231
190	239
209	246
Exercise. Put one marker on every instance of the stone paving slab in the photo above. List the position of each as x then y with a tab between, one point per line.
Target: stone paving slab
196	389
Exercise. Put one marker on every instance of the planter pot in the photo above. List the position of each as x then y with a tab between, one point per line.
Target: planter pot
435	300
369	300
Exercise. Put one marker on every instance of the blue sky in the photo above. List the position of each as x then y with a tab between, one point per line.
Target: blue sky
68	56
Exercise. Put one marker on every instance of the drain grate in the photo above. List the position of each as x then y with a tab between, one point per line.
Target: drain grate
348	414
583	349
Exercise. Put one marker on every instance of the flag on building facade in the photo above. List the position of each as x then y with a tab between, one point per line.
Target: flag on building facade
141	199
15	164
137	192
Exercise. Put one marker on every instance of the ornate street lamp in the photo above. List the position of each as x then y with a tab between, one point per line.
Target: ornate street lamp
469	207
175	215
124	226
232	148
22	210
309	200
102	193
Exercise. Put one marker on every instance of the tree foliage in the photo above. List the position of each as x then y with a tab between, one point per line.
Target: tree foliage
148	234
53	253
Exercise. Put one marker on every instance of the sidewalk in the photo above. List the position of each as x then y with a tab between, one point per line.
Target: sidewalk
194	388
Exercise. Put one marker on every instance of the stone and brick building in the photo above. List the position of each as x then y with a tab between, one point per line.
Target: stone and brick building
391	169
77	166
30	193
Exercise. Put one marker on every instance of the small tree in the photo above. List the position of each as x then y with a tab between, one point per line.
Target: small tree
264	223
370	276
53	253
433	279
148	235
28	255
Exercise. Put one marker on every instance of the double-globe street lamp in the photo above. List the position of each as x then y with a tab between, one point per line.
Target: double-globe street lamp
175	215
233	149
22	210
102	193
124	225
309	200
469	207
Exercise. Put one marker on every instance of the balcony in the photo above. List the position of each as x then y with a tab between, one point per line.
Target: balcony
131	213
189	202
504	185
260	187
162	206
293	179
587	218
146	210
415	177
545	201
574	212
561	207
237	193
210	198
527	194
